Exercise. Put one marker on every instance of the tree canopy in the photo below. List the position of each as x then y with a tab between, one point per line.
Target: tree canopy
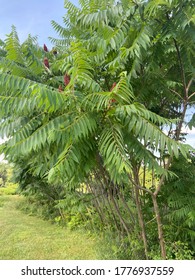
106	105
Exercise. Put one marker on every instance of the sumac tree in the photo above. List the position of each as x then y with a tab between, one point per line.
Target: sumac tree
73	127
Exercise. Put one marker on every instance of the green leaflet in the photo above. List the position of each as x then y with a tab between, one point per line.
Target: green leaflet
113	150
44	97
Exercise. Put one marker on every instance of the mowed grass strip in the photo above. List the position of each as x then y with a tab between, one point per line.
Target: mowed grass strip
24	237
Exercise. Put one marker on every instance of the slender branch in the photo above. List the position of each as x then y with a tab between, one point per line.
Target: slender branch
191	95
118	212
151	220
139	187
160	228
127	207
189	84
172	90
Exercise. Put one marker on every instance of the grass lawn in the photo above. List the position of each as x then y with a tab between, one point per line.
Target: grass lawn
24	237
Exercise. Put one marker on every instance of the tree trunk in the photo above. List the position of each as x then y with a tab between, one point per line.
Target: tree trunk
139	211
102	200
160	228
123	223
141	222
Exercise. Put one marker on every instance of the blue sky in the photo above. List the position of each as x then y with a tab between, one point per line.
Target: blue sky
191	133
31	17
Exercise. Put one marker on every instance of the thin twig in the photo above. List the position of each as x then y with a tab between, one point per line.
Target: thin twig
191	95
189	84
139	187
172	90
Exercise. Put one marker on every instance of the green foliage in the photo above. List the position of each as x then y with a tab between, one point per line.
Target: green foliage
180	251
179	201
177	211
175	251
7	187
10	189
130	79
74	209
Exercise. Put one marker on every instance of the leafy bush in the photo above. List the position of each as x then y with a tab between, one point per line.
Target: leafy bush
9	189
178	202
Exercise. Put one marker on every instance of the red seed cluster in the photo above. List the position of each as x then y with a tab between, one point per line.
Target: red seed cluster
46	62
66	79
45	48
